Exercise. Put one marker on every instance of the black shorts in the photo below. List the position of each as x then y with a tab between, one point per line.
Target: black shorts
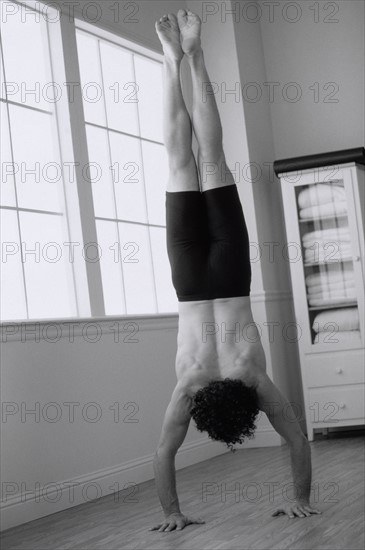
207	244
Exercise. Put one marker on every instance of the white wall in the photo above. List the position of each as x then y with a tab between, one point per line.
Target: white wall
306	52
132	20
52	449
272	52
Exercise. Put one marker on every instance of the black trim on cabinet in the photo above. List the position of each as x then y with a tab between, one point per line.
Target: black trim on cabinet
356	155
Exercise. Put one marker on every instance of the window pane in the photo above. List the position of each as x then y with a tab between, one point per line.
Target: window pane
156	174
101	175
133	176
39	175
166	295
120	88
327	251
7	194
91	81
13	305
48	270
26	60
111	269
128	178
137	268
2	77
149	80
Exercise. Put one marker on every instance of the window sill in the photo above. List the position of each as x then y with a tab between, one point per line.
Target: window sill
122	328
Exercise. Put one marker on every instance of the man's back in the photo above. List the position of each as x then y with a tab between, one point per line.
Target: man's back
215	337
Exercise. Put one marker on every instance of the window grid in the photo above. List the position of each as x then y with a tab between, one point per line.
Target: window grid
57	131
145	195
56	136
23	105
140	139
16	208
121	220
68	49
110	163
121	133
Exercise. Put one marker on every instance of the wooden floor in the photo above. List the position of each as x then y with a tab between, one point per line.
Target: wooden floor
234	520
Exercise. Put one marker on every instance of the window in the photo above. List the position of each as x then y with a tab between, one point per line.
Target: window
37	280
122	100
81	171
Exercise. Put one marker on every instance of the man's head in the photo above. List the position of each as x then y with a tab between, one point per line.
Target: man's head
227	410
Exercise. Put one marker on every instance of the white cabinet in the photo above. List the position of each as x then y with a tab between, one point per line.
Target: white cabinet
324	219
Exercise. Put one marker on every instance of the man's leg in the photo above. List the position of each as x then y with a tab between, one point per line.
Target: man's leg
205	117
177	127
229	259
185	212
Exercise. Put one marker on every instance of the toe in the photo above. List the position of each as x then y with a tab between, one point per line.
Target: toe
172	17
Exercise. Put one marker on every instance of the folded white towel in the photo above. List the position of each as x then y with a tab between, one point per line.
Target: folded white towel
325	209
337	337
320	193
339	292
332	274
343	319
327	243
329	294
328	259
343	285
330	254
335	233
340	298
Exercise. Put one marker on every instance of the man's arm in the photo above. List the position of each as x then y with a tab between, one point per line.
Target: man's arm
282	417
174	429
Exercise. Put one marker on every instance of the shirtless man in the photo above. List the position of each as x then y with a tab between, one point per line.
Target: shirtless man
221	379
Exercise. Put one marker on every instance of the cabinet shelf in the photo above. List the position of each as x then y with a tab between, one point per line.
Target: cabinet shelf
326	262
319	218
333	306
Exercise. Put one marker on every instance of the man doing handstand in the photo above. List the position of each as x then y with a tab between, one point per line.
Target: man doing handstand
221	383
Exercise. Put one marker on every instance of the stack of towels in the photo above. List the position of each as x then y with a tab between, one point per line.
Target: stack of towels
337	326
322	199
327	245
332	286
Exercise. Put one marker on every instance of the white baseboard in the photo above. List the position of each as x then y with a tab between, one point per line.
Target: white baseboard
28	506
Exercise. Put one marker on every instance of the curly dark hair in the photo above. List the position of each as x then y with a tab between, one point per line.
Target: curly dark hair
227	410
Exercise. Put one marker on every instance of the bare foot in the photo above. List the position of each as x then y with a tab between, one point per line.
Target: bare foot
190	28
168	32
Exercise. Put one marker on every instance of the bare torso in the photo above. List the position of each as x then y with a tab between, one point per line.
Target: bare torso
217	339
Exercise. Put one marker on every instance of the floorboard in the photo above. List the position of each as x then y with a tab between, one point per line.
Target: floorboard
236	506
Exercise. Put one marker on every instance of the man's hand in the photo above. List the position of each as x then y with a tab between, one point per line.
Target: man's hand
300	509
175	521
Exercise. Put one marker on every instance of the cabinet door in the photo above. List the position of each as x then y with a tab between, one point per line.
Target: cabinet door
327	278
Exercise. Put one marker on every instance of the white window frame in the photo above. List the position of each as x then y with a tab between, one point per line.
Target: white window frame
80	268
71	122
114	39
